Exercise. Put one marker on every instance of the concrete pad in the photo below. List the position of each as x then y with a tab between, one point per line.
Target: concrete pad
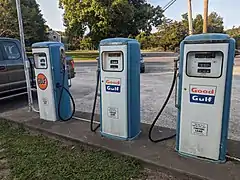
155	85
236	70
161	155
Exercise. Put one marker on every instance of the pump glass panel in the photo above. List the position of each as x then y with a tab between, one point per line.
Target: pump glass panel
204	64
112	61
40	61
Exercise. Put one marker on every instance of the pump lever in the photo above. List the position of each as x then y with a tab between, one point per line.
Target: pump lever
176	91
70	80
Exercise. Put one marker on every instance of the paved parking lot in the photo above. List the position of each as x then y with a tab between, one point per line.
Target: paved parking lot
155	84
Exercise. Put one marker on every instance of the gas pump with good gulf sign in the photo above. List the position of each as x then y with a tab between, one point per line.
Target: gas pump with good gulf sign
204	95
119	78
52	81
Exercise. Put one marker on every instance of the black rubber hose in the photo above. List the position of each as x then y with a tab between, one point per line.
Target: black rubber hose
60	98
162	108
94	104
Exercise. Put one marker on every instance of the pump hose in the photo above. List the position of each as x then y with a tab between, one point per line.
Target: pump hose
60	99
162	108
94	104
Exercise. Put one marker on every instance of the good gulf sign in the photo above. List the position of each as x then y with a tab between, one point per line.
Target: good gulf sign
202	94
113	85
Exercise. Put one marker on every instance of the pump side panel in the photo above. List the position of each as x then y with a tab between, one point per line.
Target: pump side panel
114	95
58	75
201	122
134	119
46	99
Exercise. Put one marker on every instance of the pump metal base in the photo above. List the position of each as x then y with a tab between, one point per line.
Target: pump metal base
182	154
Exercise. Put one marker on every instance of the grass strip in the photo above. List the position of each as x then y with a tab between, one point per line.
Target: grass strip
38	157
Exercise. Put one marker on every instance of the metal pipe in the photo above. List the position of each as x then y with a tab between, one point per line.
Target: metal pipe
24	55
86	120
233	158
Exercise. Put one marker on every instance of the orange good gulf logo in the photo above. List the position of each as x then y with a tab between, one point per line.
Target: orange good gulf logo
42	81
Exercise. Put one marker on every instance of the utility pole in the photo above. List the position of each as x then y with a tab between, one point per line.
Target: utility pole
205	16
24	55
190	24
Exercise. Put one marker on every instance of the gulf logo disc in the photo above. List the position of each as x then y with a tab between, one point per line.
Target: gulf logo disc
42	81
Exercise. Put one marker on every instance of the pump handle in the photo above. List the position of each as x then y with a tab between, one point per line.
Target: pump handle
70	80
176	68
176	91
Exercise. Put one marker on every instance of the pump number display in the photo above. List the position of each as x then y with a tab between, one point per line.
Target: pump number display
204	64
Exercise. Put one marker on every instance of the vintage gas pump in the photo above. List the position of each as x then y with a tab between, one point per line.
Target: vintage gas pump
204	95
119	88
52	81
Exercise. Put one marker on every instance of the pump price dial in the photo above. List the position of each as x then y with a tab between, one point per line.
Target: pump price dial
205	55
204	70
114	61
204	64
114	54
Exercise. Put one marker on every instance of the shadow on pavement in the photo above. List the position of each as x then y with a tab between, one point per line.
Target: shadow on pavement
15	102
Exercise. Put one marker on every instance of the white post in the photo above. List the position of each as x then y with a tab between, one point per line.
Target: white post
24	55
205	16
190	25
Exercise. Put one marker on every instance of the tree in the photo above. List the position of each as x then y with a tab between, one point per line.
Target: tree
146	41
171	33
109	18
215	23
198	24
33	22
235	33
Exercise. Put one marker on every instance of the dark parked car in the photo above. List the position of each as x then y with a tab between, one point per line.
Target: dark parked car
12	75
142	64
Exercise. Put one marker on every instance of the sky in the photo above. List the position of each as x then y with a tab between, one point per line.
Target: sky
53	15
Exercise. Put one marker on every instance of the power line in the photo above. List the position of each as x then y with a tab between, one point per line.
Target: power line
169	4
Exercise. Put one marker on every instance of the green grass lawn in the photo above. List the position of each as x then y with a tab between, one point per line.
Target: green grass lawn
83	59
83	55
33	157
86	54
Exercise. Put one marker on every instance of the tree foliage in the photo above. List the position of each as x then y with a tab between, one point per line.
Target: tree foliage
171	33
33	22
108	18
89	21
215	23
235	33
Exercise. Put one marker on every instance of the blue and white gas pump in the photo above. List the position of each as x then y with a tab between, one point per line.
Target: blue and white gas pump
119	88
52	81
204	95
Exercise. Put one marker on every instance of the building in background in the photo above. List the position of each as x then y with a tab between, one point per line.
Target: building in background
54	36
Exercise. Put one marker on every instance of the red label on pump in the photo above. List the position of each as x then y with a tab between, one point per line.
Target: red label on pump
42	81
